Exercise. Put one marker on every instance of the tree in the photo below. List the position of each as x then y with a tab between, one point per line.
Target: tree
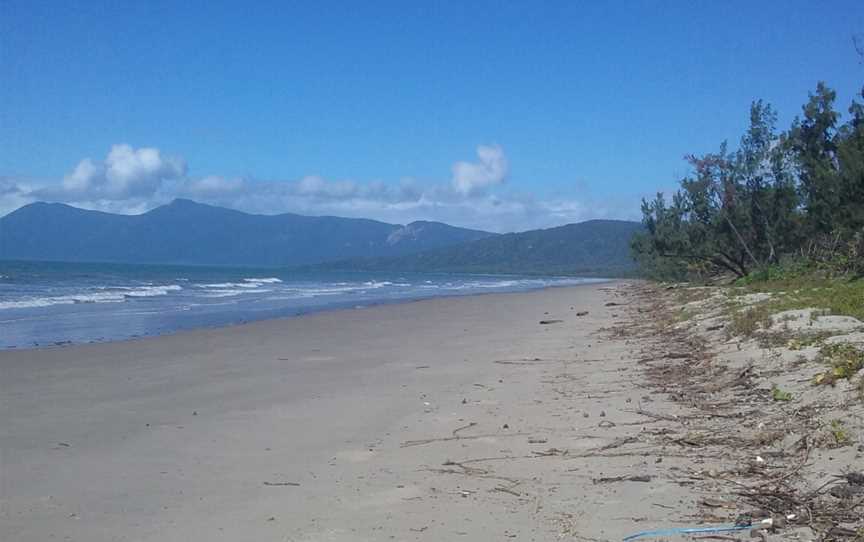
849	215
812	139
766	187
728	216
800	192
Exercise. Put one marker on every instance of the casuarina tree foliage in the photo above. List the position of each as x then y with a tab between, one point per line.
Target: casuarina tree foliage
799	193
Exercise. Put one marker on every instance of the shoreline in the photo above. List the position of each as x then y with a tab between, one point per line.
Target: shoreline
300	313
203	435
591	412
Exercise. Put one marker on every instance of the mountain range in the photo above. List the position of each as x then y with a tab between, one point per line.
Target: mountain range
594	247
186	232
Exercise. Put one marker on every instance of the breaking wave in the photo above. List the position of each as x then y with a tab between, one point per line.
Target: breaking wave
114	295
268	280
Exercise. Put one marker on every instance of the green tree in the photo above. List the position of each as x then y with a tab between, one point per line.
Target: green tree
812	139
765	188
849	214
800	193
730	214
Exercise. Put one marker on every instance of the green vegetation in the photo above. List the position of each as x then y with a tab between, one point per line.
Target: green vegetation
799	290
781	205
779	395
845	361
746	322
822	296
839	433
795	341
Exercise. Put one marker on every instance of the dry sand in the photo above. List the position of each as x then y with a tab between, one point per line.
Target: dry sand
446	419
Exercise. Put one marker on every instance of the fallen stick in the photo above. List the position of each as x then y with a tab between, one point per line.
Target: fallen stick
472	424
409	443
618	443
281	484
677	355
550	452
477	473
520	362
631	478
505	490
656	416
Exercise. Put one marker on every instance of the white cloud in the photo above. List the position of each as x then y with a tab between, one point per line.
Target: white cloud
212	185
125	173
133	180
13	194
491	170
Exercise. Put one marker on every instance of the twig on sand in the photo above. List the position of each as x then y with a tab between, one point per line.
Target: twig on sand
281	484
421	442
473	471
656	416
535	361
506	490
465	469
618	443
645	452
472	424
630	478
550	452
677	355
483	459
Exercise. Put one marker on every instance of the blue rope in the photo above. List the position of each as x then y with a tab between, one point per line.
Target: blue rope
688	530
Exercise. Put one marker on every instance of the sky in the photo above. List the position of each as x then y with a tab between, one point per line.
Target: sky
498	115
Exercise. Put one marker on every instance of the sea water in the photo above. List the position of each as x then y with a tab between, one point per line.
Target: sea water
49	304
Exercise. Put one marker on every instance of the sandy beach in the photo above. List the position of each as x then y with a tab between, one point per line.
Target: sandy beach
583	413
347	425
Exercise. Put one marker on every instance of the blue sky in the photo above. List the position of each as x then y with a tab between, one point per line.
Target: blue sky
380	110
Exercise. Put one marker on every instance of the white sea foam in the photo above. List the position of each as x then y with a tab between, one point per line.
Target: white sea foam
231	289
229	285
376	284
119	295
317	291
230	292
314	292
151	291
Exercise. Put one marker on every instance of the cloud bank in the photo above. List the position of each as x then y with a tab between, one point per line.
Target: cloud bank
130	180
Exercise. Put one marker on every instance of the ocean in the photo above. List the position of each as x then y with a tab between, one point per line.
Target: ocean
51	304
